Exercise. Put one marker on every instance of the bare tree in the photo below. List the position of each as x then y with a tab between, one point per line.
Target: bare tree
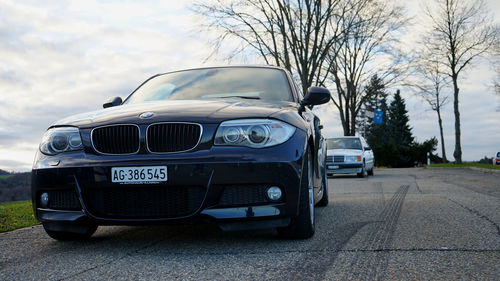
461	32
371	30
496	67
296	34
430	82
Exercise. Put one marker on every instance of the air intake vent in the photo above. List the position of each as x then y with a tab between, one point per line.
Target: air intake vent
63	200
145	201
117	139
173	137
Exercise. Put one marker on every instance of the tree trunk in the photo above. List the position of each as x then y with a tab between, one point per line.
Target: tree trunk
458	147
438	110
353	122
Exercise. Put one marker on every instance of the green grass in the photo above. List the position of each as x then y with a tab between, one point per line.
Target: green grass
2	177
14	215
477	165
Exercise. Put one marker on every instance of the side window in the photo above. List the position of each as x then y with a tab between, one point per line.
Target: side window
299	91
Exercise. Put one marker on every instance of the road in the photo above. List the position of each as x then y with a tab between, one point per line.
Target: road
400	224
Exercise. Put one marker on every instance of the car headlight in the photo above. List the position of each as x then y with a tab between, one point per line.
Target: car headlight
254	133
353	158
63	139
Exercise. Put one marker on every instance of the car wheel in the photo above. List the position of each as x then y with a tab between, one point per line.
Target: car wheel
370	172
363	171
324	185
69	232
302	226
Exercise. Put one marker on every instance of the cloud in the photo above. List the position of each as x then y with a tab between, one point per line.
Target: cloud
63	58
60	58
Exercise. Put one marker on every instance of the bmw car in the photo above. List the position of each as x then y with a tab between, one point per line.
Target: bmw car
236	146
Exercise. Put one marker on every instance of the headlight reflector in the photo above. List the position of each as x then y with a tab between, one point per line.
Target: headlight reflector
63	139
254	133
353	158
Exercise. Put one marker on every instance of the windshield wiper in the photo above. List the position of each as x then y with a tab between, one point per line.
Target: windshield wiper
242	97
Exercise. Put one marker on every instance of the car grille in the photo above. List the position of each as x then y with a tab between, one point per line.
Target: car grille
242	195
140	201
173	137
338	159
117	139
335	159
63	200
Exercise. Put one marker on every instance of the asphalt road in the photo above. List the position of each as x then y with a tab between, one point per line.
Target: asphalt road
400	224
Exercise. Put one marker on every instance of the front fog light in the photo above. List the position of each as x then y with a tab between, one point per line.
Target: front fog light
274	193
44	199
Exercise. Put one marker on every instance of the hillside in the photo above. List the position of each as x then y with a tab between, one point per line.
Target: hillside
15	187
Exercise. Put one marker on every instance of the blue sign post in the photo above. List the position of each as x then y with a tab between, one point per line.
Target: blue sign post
377	116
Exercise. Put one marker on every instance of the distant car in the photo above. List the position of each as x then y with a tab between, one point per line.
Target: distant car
238	146
496	160
349	155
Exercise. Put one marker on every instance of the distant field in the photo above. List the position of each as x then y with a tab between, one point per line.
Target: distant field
2	177
14	215
477	165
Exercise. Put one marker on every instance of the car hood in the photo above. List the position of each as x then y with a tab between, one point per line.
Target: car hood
346	152
198	111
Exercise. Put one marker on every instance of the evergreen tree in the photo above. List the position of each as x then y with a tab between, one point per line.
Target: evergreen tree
375	98
377	135
400	132
392	141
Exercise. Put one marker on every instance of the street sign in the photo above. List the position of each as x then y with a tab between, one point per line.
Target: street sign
378	116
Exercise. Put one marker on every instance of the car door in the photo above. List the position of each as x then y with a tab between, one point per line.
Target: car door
368	155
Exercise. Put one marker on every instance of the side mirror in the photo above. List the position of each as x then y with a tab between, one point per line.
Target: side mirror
320	127
316	96
112	102
367	148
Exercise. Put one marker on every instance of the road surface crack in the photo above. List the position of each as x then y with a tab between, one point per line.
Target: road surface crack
478	214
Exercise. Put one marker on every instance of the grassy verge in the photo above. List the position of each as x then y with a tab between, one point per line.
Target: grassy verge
2	177
477	165
14	215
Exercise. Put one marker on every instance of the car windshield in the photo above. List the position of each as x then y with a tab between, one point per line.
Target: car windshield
498	154
212	83
343	143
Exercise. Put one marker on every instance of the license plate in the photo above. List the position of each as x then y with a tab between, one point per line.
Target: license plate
333	167
139	175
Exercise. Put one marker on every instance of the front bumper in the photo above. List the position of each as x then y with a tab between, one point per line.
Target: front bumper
211	172
343	168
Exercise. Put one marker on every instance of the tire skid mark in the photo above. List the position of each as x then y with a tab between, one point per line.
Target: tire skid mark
378	187
378	241
316	260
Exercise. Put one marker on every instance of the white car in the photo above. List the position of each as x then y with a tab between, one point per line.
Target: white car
496	160
349	155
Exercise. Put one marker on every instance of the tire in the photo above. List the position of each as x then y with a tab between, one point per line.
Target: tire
302	226
69	232
363	171
370	172
324	185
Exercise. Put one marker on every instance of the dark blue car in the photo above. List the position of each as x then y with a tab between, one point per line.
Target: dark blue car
237	146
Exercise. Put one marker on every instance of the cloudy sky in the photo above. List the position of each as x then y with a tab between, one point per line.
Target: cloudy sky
59	58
